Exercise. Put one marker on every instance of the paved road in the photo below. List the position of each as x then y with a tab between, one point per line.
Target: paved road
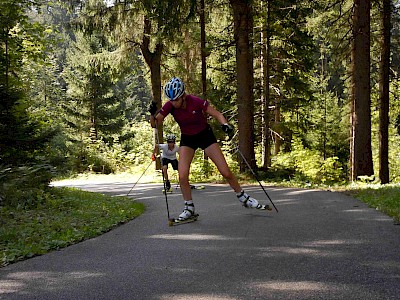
321	245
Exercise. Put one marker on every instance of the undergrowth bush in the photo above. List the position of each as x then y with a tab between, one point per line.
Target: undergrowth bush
24	186
303	164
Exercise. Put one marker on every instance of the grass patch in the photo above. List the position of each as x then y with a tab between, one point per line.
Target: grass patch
385	198
67	216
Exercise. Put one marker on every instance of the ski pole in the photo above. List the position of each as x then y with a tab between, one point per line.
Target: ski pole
248	165
139	178
165	187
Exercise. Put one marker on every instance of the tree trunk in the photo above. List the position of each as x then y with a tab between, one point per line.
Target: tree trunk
361	156
277	127
384	93
153	60
203	49
243	29
206	167
266	65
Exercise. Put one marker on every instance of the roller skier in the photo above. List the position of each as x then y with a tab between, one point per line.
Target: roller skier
168	156
190	113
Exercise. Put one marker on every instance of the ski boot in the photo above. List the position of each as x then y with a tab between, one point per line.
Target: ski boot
187	216
250	202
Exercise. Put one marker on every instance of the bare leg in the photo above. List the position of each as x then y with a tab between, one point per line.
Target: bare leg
216	155
165	172
214	152
186	155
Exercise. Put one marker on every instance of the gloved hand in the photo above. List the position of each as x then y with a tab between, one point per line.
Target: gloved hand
153	108
228	129
153	157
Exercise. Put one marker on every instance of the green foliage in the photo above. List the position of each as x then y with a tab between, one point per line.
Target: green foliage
303	164
24	187
65	216
327	130
397	124
142	145
86	111
22	138
292	48
135	96
221	60
90	79
20	40
100	104
394	139
168	15
25	169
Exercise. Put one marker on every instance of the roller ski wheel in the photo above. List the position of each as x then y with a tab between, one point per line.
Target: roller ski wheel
264	207
174	222
197	187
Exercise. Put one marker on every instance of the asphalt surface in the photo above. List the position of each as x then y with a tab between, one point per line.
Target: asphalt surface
321	245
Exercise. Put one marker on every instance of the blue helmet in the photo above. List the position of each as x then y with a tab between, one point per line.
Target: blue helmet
174	88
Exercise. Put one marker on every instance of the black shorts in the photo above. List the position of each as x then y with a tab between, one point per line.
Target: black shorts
173	162
201	140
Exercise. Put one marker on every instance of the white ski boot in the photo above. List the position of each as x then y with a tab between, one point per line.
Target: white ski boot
188	211
187	216
250	202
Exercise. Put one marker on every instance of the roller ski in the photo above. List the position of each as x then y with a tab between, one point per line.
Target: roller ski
197	187
187	216
174	222
250	202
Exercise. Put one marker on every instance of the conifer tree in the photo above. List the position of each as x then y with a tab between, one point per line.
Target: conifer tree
91	87
23	136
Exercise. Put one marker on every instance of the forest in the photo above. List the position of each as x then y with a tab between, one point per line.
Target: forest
311	87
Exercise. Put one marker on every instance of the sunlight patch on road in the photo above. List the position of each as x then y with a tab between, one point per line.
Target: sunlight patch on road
296	286
10	286
22	282
304	251
299	192
314	290
356	210
323	243
191	237
195	297
292	250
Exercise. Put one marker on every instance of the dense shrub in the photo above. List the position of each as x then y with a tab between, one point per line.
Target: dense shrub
307	165
24	186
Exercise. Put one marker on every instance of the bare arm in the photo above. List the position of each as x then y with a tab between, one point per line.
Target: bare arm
155	149
157	120
228	129
216	114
